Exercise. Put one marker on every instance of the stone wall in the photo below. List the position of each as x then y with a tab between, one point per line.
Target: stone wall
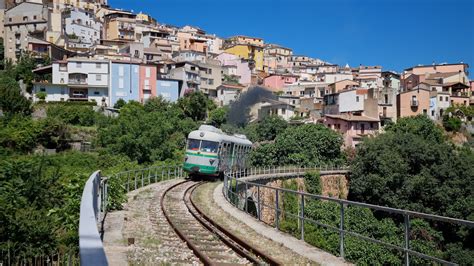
332	186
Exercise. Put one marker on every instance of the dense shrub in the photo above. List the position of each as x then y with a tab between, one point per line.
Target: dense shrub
74	115
310	144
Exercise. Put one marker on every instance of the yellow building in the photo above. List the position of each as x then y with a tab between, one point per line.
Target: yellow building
248	52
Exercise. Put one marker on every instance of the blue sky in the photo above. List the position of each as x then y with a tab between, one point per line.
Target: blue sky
396	34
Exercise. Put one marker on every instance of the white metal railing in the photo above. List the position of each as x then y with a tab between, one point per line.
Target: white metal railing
90	243
236	190
95	204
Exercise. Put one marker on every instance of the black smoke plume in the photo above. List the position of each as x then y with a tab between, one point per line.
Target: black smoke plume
239	113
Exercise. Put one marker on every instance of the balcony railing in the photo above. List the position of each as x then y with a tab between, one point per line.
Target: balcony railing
78	81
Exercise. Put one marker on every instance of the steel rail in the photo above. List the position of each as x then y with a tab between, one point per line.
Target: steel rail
205	259
247	247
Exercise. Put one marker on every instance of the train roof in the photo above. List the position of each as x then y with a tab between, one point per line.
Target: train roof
214	134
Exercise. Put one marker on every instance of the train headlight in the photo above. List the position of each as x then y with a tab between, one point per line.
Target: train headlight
211	161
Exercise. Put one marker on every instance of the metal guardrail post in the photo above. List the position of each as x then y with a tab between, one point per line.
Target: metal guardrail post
135	178
246	199
128	182
407	238
341	232
258	204
302	216
277	222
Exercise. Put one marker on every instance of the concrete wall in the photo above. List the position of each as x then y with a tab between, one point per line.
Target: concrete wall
350	101
168	89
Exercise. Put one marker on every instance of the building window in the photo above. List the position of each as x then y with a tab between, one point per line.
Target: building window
25	18
357	98
147	72
283	111
432	113
447	99
98	65
425	112
9	19
211	82
34	17
209	71
96	93
98	77
78	64
42	89
120	83
121	70
440	98
386	98
193	68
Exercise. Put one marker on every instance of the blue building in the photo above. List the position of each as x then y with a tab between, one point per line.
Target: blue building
124	81
169	89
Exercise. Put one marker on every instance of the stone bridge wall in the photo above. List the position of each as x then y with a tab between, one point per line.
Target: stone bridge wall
332	184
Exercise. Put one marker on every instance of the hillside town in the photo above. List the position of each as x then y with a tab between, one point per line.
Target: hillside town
102	54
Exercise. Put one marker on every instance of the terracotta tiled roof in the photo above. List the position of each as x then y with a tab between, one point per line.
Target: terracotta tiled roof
348	117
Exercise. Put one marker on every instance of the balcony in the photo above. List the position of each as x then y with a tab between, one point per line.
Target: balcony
414	103
77	94
78	81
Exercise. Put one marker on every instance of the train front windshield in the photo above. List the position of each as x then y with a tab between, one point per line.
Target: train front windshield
203	146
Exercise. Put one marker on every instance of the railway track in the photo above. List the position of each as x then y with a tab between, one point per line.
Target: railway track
209	242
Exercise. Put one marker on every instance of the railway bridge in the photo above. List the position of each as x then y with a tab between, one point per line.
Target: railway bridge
253	196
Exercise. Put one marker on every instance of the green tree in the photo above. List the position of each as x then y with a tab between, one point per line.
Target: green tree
195	105
270	127
218	116
11	99
120	103
412	166
41	95
300	145
146	133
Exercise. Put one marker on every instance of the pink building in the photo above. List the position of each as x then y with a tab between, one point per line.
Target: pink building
276	82
147	82
352	127
242	66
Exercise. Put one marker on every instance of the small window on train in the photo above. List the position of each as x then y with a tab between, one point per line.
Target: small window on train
209	146
193	144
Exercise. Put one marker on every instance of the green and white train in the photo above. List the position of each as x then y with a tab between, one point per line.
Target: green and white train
209	151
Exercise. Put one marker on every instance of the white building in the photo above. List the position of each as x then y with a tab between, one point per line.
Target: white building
77	79
81	29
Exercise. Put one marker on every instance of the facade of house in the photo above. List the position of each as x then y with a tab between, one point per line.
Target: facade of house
169	89
186	71
81	29
242	70
125	81
439	102
228	93
354	128
119	26
277	82
413	102
77	79
21	21
147	82
269	107
250	52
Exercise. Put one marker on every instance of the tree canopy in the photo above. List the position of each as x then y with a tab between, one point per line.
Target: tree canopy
300	145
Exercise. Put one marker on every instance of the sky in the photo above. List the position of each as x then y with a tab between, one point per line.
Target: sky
395	34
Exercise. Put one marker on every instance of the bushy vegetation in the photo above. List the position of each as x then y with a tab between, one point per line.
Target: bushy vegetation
413	166
308	144
146	133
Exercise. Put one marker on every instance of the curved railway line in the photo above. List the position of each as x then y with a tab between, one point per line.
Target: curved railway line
211	243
